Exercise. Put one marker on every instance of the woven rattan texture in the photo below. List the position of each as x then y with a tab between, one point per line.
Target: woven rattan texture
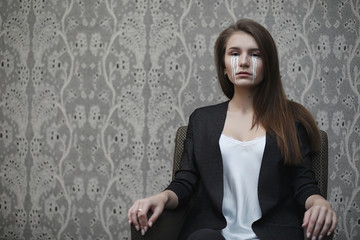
179	147
320	164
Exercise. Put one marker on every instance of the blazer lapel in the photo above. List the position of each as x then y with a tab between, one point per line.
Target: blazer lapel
269	169
214	129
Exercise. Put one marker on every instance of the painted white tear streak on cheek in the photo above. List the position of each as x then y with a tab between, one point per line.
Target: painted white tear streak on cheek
254	62
234	66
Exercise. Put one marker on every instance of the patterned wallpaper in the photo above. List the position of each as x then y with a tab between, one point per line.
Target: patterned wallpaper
92	91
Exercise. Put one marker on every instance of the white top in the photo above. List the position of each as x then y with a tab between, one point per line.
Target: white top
241	163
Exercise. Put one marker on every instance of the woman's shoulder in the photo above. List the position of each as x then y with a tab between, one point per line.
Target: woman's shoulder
215	112
212	109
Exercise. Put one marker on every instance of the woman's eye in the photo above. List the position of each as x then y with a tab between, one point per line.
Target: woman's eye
255	55
235	54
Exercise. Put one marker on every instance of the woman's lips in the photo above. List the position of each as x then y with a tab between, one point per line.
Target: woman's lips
243	74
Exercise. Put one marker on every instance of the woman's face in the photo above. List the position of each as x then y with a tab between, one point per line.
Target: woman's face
243	62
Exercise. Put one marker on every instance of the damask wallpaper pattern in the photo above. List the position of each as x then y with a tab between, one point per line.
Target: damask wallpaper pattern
91	94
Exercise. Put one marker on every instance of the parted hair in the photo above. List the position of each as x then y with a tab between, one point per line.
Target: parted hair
272	109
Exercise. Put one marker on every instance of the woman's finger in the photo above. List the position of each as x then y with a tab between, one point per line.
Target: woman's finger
319	223
132	215
156	213
142	218
306	219
327	224
313	215
334	223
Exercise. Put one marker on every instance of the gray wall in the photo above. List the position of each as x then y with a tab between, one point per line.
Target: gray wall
91	94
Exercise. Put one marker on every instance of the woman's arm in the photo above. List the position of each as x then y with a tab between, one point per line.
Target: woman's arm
319	219
177	193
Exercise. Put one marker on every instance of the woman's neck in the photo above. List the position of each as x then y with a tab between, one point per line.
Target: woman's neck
242	101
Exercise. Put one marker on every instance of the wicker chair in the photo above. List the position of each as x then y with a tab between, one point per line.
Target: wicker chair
168	225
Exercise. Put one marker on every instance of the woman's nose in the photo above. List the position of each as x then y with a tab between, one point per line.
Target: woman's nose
244	60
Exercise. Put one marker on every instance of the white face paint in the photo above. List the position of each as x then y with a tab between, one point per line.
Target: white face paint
234	65
254	62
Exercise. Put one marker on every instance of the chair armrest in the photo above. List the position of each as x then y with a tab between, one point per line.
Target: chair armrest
167	226
331	237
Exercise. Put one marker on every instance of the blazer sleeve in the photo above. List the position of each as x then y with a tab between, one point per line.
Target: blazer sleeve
187	176
303	177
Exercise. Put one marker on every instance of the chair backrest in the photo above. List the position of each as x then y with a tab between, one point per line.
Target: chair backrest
320	164
179	148
319	159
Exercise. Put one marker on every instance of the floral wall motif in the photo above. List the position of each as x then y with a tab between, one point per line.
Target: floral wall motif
92	92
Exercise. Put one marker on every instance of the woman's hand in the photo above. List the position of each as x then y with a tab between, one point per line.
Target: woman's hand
138	212
320	219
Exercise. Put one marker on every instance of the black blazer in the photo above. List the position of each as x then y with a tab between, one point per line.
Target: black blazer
282	189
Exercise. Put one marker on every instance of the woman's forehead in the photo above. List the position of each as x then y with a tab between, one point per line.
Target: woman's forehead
241	40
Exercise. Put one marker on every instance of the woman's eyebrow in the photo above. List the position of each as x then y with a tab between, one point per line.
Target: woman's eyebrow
233	48
250	50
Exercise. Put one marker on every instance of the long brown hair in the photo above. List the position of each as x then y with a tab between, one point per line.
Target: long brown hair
272	109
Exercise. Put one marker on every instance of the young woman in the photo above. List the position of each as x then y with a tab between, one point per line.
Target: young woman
249	156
